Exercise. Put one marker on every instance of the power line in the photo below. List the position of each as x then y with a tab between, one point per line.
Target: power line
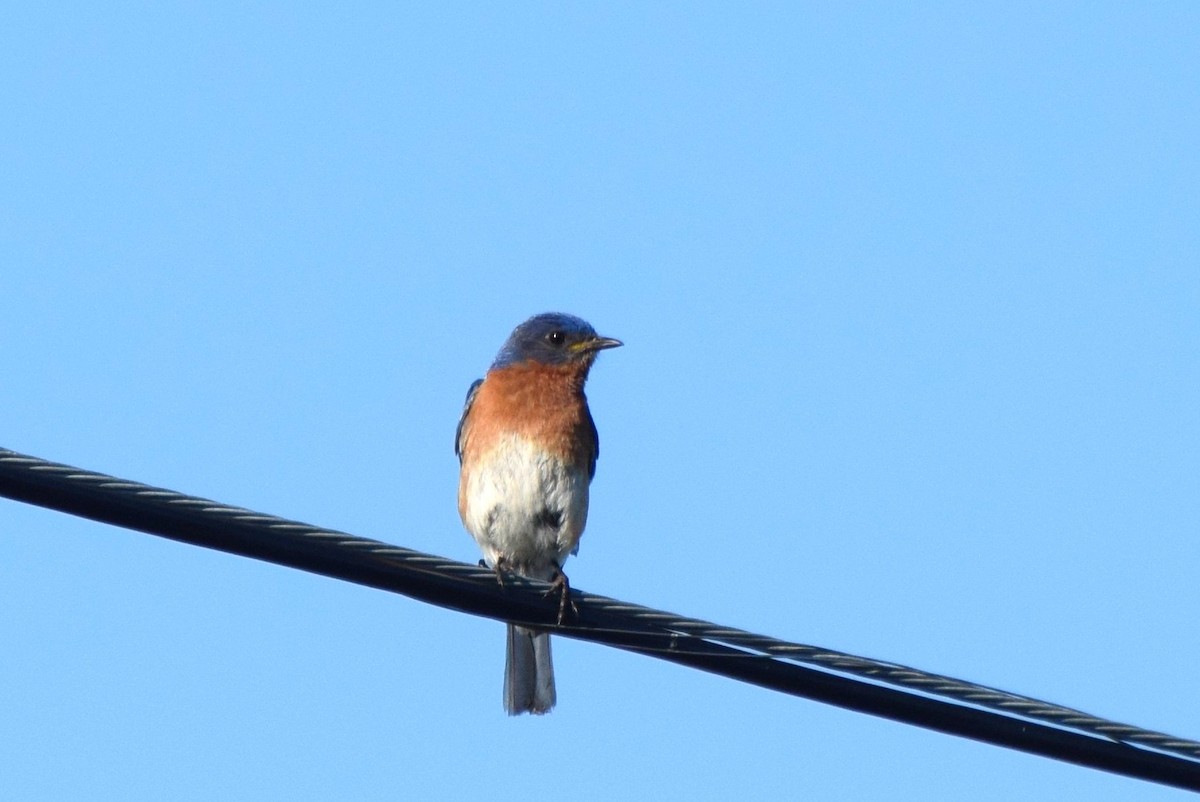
870	686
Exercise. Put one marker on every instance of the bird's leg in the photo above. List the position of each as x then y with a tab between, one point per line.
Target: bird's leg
500	568
559	585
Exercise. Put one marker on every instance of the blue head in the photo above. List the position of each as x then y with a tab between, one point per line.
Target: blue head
553	339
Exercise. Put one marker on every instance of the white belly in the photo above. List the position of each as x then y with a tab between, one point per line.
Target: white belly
509	493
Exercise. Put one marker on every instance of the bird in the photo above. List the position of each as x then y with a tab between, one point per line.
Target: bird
527	448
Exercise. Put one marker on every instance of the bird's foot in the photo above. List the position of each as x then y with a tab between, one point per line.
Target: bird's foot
560	586
501	568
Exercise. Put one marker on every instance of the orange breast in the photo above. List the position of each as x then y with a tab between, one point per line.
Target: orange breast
542	403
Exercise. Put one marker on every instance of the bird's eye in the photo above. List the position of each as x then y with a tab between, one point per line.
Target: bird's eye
556	338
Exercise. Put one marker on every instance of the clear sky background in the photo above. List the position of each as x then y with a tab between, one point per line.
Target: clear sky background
911	300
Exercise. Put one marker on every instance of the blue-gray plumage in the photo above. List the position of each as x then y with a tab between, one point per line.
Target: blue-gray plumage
527	446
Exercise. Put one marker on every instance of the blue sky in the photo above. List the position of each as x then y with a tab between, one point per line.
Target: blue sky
911	299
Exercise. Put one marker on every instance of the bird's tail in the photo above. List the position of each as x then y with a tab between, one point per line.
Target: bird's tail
528	672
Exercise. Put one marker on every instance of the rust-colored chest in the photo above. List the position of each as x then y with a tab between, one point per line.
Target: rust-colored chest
544	404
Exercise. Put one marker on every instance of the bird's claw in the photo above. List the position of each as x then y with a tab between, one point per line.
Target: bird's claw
500	568
559	585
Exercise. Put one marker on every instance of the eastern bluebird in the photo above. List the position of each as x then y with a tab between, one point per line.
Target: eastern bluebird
527	447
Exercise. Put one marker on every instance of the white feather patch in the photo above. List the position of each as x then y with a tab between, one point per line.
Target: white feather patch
508	490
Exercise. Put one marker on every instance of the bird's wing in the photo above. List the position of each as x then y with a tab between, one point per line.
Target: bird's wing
458	434
595	443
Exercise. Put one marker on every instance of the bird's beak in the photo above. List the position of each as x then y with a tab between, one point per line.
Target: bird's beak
596	344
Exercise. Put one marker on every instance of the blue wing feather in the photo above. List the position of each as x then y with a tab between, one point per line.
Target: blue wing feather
595	443
458	434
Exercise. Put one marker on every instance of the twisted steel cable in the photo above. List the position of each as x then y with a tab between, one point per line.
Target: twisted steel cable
878	687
